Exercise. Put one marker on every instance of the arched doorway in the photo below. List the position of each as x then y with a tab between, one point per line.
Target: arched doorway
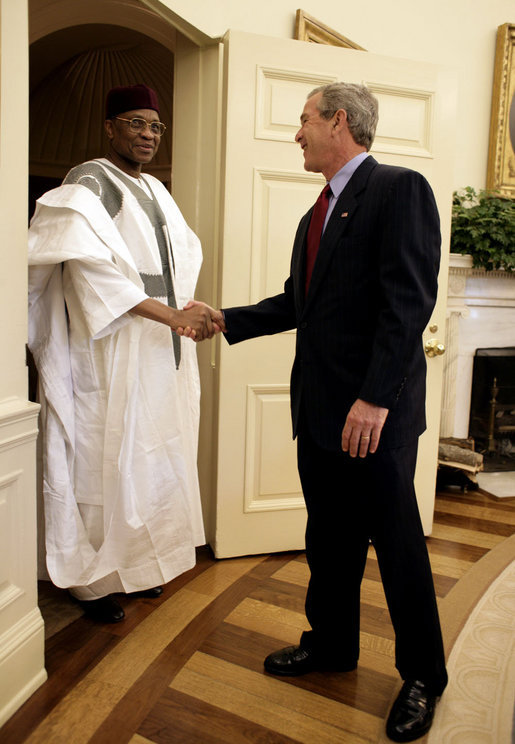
78	51
185	68
70	71
196	75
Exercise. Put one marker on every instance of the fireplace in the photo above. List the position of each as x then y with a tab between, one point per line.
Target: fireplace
480	315
480	319
492	406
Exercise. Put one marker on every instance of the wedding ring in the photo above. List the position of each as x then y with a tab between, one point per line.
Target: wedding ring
364	437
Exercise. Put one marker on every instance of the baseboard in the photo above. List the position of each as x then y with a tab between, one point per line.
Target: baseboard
21	625
21	663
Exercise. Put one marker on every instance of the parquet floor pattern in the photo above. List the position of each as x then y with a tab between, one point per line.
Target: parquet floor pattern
188	667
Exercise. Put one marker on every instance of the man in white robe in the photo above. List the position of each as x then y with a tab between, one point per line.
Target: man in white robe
111	259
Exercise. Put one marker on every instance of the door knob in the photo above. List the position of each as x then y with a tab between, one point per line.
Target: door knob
433	347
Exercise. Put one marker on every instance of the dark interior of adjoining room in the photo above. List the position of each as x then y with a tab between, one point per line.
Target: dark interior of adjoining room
492	407
71	71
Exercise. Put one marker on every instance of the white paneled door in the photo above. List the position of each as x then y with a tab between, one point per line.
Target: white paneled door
265	191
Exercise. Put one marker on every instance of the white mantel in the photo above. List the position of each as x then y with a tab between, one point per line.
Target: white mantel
480	314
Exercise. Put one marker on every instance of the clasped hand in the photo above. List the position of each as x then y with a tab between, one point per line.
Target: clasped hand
200	321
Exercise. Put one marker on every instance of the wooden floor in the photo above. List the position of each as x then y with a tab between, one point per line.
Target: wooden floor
187	667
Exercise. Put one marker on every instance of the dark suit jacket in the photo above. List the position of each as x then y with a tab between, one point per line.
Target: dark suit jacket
359	330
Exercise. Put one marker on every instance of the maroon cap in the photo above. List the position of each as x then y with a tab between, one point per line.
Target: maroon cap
129	98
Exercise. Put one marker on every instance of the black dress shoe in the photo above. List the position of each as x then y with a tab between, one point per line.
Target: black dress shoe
412	713
294	660
103	610
152	593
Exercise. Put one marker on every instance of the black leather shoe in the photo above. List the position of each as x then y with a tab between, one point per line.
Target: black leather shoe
412	713
295	660
152	593
103	610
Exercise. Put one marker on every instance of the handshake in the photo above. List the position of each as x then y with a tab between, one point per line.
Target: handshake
198	321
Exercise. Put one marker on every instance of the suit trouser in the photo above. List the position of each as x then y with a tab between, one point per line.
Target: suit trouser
350	502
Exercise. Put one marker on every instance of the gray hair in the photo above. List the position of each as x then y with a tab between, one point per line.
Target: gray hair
358	102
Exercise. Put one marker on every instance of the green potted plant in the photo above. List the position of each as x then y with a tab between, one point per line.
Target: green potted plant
483	225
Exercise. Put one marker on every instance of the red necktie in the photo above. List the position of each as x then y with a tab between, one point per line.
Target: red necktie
315	231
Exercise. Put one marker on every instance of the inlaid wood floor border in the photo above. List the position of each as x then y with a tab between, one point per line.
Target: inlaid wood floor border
187	668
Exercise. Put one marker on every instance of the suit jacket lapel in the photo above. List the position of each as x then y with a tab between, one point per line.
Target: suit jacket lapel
339	221
298	262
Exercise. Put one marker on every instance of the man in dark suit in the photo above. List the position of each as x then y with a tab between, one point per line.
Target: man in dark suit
358	396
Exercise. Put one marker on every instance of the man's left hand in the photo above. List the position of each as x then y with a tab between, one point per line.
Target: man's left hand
363	428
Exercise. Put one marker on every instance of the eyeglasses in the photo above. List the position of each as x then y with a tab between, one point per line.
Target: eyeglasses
139	125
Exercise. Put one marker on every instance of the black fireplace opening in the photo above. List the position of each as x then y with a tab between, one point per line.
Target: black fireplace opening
492	407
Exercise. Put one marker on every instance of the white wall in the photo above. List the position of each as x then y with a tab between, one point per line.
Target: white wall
21	625
13	211
457	33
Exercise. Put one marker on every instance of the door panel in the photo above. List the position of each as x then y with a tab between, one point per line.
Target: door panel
265	192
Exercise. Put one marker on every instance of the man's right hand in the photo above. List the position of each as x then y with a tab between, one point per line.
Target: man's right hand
216	316
194	321
195	317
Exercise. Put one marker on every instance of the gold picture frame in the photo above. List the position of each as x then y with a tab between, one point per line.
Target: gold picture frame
501	150
308	28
